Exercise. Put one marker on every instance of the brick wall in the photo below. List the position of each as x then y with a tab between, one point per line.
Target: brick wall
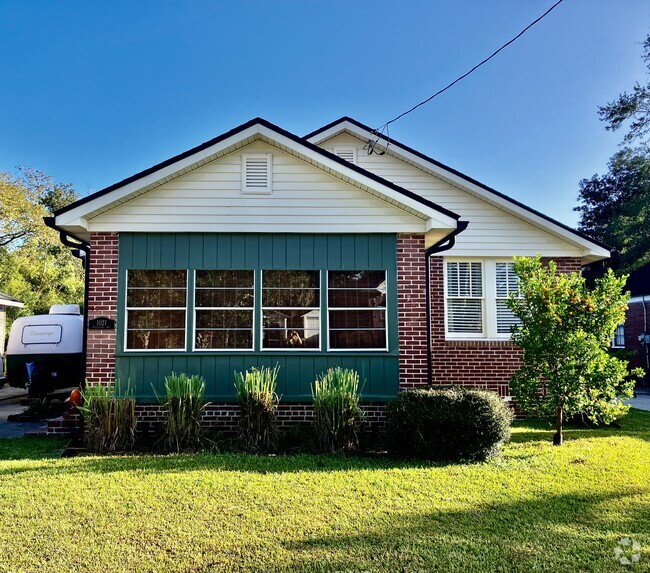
225	416
102	301
412	317
482	363
634	324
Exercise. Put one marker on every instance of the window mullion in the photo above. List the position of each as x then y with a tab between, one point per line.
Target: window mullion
490	298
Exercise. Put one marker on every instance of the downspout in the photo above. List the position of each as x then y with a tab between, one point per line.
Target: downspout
645	331
442	245
77	246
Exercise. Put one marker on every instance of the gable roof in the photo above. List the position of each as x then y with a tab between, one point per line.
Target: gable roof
404	152
201	154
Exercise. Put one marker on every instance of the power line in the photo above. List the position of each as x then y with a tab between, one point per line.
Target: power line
379	132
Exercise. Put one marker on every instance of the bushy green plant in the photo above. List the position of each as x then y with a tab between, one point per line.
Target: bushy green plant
447	424
336	408
258	402
565	332
109	417
183	406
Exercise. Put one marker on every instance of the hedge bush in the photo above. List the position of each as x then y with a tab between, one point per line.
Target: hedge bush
447	424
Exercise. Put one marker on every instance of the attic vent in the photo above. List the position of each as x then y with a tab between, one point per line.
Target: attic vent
347	153
256	173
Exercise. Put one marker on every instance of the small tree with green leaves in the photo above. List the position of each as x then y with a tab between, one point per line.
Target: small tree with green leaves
565	332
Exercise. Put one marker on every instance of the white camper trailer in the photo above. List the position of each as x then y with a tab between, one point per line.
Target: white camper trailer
44	352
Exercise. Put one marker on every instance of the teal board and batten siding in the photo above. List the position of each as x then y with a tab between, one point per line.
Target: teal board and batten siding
146	370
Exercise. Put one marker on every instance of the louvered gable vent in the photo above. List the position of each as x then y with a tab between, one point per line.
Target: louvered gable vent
256	173
347	153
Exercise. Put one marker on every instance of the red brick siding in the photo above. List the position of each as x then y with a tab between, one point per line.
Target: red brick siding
412	317
102	301
224	417
481	363
634	324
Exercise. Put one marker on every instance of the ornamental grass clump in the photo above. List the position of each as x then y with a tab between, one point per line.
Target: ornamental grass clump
109	417
258	403
336	408
183	407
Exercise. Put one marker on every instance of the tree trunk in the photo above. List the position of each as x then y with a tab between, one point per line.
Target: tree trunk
558	438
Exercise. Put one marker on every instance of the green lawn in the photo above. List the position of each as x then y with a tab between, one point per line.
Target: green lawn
538	508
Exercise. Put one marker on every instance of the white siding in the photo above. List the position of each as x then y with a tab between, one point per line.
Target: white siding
492	231
303	199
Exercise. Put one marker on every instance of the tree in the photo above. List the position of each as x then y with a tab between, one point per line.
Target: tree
34	266
615	207
633	106
565	332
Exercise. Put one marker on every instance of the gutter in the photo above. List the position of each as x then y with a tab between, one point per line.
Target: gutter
442	245
77	246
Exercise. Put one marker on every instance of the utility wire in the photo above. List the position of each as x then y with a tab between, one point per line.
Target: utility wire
379	132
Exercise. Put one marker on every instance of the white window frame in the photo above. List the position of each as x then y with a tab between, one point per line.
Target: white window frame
614	345
334	309
269	174
200	308
319	308
489	298
128	308
346	149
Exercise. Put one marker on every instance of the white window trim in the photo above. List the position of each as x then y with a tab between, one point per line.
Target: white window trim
200	308
346	149
384	308
489	298
619	346
318	308
269	174
128	308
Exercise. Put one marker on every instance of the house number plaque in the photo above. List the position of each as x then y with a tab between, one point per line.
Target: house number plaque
101	323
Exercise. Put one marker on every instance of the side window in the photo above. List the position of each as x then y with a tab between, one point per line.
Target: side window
506	283
464	297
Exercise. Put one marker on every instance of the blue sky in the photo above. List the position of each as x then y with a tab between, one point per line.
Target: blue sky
94	92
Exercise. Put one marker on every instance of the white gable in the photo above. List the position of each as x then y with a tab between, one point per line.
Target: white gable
492	231
303	199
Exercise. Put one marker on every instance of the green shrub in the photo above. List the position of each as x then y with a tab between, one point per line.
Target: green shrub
336	409
258	403
183	407
447	424
109	418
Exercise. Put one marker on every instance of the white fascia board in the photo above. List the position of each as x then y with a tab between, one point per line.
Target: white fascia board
592	251
14	303
435	219
121	194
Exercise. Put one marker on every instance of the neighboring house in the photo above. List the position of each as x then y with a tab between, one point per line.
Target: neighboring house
260	247
6	301
630	335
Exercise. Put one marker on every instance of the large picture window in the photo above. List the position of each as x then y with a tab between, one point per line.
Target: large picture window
156	302
357	310
291	310
224	302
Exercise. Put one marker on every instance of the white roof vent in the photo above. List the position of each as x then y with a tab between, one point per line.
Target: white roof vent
65	309
347	153
256	173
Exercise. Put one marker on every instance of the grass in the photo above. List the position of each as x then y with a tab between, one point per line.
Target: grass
538	508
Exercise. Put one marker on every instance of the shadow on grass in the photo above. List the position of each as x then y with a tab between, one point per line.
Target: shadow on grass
569	532
635	424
